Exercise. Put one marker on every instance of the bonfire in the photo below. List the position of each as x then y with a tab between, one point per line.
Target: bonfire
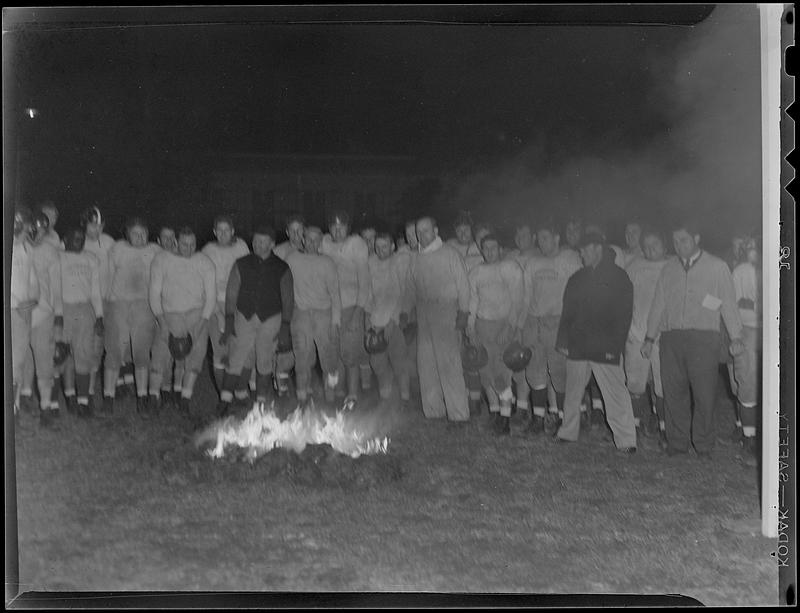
261	431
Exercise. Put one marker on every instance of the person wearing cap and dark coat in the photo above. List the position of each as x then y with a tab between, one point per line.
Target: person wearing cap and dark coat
259	301
598	306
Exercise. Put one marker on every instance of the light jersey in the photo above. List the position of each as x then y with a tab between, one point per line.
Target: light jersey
545	280
521	257
351	259
628	257
496	291
130	270
100	247
747	285
80	279
284	250
224	258
471	254
387	285
24	282
53	239
437	277
179	284
47	263
644	275
316	283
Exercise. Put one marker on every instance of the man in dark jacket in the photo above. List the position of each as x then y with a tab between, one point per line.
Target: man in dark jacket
598	306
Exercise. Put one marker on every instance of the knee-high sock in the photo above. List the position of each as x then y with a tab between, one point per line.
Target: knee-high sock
189	378
366	376
45	391
523	394
263	384
219	376
110	381
82	387
749	419
539	401
352	381
141	380
662	418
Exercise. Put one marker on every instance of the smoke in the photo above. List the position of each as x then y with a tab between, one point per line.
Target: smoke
705	161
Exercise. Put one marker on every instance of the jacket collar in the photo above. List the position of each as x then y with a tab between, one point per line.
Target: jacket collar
435	245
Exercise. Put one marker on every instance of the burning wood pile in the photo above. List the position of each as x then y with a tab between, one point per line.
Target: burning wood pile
262	430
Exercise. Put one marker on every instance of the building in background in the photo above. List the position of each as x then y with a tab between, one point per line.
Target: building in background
258	188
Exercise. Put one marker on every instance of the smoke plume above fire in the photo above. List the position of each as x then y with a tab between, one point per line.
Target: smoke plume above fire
706	160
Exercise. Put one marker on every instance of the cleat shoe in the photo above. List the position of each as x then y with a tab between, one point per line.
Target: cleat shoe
55	413
474	407
108	406
586	420
535	426
45	419
598	418
72	405
142	405
223	408
166	400
183	406
502	426
552	423
651	425
27	404
89	410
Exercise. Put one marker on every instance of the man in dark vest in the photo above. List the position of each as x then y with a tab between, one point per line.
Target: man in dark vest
259	301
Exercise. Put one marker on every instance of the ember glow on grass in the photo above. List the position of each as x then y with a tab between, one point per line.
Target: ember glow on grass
261	431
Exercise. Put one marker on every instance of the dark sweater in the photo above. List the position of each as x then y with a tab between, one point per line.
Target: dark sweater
598	306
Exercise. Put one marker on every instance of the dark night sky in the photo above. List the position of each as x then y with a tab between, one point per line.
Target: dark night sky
113	99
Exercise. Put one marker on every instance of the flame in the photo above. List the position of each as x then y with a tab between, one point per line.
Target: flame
261	431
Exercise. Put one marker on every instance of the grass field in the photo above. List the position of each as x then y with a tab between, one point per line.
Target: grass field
124	503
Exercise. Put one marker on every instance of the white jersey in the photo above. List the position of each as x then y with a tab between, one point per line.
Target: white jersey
224	258
284	250
80	279
24	282
496	292
100	247
351	259
47	263
747	284
179	284
644	276
129	269
470	253
545	280
387	286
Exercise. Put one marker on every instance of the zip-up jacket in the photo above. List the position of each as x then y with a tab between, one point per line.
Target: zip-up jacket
694	299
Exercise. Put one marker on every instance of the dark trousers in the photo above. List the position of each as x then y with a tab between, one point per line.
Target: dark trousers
689	371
